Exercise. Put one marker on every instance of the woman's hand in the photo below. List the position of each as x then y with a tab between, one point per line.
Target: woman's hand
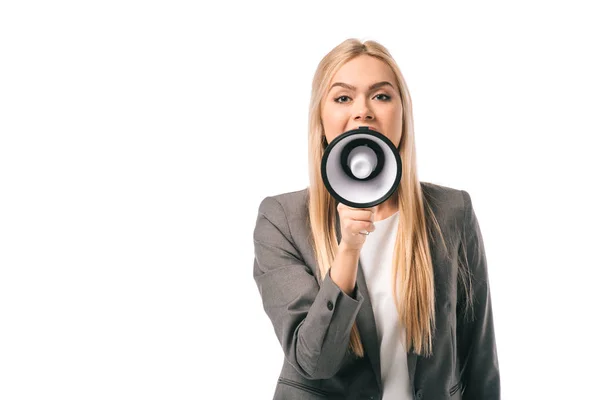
353	221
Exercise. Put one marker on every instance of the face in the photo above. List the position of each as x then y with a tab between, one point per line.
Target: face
363	92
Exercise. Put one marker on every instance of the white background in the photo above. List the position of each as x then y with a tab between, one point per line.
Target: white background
138	139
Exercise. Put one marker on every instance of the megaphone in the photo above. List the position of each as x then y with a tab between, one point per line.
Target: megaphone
361	168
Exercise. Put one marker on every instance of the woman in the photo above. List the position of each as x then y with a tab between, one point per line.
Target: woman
401	311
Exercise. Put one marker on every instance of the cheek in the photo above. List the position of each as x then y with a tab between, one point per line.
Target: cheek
394	126
333	120
395	118
334	115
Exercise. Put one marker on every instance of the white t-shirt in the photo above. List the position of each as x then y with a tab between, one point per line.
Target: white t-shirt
376	260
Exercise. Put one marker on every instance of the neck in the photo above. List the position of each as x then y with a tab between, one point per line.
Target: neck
386	209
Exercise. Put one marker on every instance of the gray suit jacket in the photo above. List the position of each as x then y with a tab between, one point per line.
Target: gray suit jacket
313	319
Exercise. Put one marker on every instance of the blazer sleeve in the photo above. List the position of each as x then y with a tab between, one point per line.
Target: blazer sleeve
477	344
311	321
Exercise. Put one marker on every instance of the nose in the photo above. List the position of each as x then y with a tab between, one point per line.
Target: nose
362	112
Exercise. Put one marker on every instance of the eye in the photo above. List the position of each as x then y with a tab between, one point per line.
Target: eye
337	100
385	97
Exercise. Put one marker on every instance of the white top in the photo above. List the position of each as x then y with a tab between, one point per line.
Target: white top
376	261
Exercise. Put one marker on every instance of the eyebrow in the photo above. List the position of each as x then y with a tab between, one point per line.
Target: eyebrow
372	87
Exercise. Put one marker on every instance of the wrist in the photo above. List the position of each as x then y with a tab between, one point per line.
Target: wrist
344	248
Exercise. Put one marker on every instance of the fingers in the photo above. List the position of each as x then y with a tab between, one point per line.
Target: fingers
356	224
357	214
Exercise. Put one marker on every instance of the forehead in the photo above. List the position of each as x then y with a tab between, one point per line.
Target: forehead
362	71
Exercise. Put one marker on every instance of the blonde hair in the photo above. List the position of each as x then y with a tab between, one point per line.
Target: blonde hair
412	269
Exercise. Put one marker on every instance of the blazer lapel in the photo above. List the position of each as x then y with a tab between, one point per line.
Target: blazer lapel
365	321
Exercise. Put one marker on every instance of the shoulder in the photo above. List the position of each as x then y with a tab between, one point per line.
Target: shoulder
288	199
444	197
451	206
283	221
291	203
285	210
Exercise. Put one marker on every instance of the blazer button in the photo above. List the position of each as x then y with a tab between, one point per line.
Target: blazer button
419	394
330	305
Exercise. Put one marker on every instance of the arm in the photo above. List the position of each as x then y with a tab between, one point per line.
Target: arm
477	344
312	322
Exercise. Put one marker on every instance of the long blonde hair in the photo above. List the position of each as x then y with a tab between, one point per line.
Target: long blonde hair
412	268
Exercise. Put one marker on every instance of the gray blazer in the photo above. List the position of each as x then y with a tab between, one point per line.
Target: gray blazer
312	320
